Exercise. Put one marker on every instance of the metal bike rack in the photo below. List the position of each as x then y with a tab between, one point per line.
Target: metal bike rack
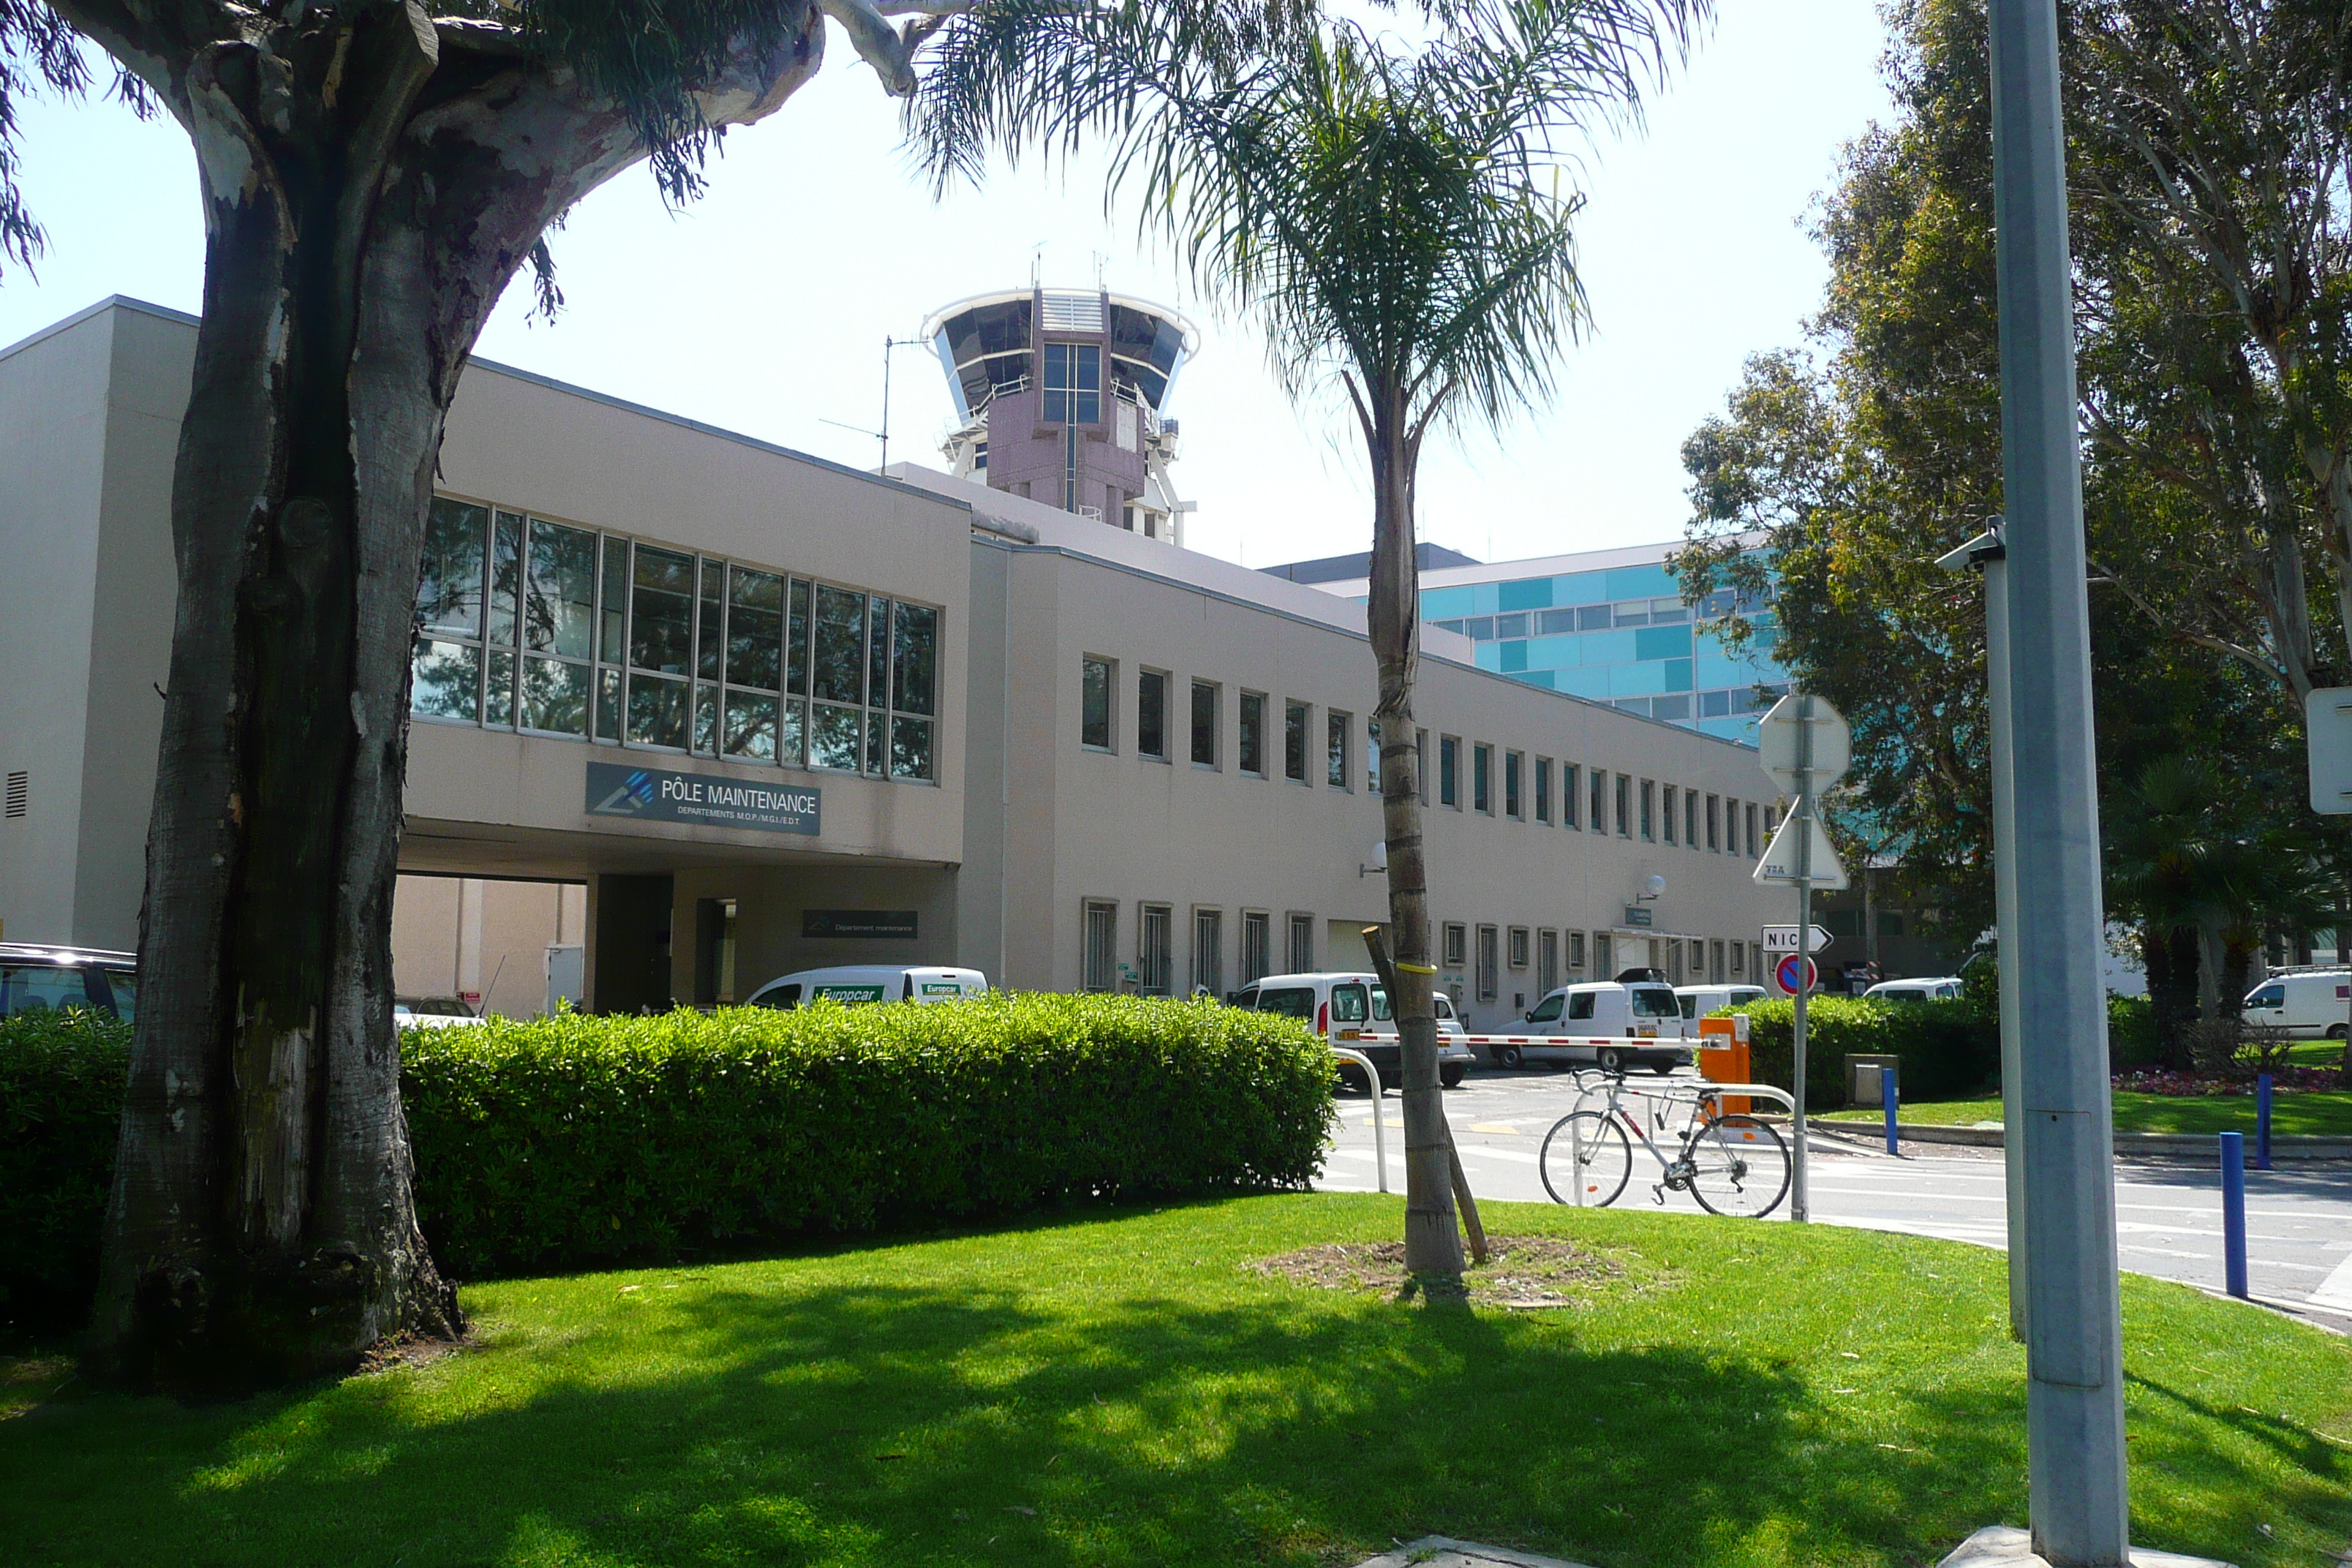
1380	1138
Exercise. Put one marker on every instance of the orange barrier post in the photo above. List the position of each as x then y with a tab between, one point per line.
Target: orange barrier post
1723	1056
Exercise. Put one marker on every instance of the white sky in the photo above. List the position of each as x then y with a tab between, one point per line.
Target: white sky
763	307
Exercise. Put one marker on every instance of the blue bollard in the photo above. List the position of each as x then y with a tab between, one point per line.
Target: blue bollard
2233	1212
1893	1098
2262	1121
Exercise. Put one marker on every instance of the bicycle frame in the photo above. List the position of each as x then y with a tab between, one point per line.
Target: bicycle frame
1611	1088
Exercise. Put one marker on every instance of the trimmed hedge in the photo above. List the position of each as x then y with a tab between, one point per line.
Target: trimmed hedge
575	1141
1946	1048
62	1077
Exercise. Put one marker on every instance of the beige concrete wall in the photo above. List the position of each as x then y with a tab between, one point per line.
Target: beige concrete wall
53	422
1132	830
453	935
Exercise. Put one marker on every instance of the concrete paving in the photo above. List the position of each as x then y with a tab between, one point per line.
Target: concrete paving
2168	1216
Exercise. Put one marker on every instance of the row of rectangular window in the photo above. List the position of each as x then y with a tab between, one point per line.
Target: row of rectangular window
1099	729
528	624
1153	972
1709	958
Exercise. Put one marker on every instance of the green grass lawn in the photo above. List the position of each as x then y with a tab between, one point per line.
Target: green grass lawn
2317	1053
2327	1115
1123	1390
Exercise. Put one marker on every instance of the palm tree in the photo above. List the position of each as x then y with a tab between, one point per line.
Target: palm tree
1384	208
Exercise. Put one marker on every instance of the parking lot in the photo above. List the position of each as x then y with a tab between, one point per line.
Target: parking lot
2168	1216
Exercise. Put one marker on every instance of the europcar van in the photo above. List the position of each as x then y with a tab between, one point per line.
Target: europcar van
857	983
1926	988
1344	1007
1611	1024
2308	1006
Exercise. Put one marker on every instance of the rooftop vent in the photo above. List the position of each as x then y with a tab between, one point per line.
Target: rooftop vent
1073	312
20	793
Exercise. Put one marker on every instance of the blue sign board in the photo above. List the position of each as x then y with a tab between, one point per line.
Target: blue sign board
703	800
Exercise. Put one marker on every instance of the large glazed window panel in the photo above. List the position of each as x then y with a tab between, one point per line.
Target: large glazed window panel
1250	753
1204	725
796	641
554	695
506	577
750	729
1295	719
1155	950
449	589
709	649
834	738
914	632
840	645
661	619
560	593
755	628
911	755
658	711
1073	393
1257	945
1099	960
1150	714
446	682
1336	727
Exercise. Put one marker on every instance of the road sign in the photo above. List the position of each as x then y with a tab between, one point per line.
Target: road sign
1780	863
1780	740
1783	939
1784	975
2327	735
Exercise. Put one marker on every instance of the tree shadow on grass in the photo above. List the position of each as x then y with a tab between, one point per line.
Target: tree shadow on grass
778	1419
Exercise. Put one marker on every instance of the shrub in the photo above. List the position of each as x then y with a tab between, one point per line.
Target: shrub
1945	1048
62	1077
574	1139
568	1142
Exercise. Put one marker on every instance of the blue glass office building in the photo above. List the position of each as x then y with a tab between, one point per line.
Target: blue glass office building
1607	624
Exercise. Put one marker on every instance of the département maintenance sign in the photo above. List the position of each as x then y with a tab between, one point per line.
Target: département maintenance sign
704	800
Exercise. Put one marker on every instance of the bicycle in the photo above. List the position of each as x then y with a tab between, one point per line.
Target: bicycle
1730	1161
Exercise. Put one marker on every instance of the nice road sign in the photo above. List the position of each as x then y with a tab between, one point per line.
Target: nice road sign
1786	975
1783	939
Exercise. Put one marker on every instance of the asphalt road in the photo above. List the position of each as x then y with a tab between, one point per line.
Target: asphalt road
2168	1216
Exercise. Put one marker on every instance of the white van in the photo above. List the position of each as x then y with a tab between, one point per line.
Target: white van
1642	1014
857	983
1345	1007
2308	1006
1922	988
1698	1001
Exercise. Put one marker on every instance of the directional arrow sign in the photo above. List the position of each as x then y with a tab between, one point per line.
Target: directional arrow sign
1781	738
1783	939
2328	732
1780	863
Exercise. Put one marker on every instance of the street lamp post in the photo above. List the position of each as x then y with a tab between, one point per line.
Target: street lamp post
2074	1407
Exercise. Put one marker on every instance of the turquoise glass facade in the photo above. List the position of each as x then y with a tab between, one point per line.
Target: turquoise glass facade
1621	635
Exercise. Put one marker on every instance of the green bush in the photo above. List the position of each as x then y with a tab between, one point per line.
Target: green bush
2132	1037
61	1076
1945	1048
569	1142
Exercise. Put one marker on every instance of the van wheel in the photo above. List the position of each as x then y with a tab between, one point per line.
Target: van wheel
1611	1058
2338	1031
1509	1057
1451	1078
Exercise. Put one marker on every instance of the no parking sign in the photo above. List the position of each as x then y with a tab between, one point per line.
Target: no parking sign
1786	975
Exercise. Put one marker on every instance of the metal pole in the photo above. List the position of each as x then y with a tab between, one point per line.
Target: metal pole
2005	952
2233	1213
2074	1409
1891	1091
1799	1199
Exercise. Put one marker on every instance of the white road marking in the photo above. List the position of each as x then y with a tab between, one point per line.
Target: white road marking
2335	1290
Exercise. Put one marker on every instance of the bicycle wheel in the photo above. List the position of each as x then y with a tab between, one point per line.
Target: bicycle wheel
1590	1150
1737	1166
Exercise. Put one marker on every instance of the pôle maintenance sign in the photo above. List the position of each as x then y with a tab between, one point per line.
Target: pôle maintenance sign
704	800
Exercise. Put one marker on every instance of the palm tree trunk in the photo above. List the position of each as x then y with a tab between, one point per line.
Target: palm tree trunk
1432	1242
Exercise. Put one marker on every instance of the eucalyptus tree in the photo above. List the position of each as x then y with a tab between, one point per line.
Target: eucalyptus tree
373	174
1393	213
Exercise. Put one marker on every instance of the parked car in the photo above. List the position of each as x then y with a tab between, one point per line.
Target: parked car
860	983
1927	988
38	979
1698	1001
432	1013
1611	1024
1343	1007
2312	1006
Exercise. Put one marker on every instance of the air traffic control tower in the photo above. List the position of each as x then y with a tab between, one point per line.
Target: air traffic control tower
1062	398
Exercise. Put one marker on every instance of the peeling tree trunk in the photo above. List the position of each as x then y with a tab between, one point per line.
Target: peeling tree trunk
370	186
1433	1244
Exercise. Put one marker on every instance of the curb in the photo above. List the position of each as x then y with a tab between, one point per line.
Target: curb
2297	1147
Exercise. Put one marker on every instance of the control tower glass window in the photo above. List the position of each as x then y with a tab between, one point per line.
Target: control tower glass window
1072	384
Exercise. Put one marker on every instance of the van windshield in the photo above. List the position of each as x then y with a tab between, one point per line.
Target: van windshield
1655	1001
